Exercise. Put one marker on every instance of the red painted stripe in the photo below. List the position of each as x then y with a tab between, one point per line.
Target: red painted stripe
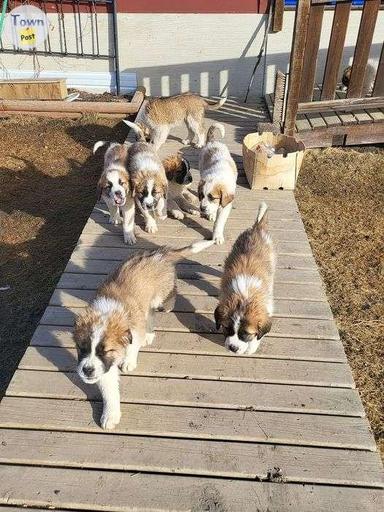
161	6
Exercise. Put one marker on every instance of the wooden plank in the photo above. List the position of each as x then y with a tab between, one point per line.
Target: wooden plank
196	393
191	457
189	304
310	52
378	88
296	261
65	106
181	366
192	423
211	344
302	123
354	134
296	64
278	15
132	491
72	297
335	50
344	104
316	121
376	114
36	89
363	47
287	246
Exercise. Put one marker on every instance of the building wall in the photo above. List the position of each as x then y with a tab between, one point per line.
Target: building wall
176	52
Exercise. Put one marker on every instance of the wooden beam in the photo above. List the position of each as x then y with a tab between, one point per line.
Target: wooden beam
363	47
296	64
311	51
378	89
335	50
278	15
55	89
340	105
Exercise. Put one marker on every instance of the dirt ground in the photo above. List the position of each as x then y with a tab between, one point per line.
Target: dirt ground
341	198
47	189
48	181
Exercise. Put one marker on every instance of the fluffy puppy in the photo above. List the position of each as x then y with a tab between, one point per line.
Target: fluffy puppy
119	321
148	181
179	176
113	187
369	79
246	297
218	175
159	115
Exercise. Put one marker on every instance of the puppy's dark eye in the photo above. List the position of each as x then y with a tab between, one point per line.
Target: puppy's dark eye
122	183
210	197
109	185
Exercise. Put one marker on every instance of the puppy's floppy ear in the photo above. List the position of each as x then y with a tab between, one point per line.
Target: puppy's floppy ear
225	197
218	317
99	190
264	328
185	164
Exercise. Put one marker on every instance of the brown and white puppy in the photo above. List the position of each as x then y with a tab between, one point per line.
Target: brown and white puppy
179	176
160	115
369	79
246	296
119	321
217	186
114	188
148	181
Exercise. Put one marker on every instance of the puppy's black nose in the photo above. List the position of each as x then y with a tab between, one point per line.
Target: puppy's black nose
118	193
233	348
88	371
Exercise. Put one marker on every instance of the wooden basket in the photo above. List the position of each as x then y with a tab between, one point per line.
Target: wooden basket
278	172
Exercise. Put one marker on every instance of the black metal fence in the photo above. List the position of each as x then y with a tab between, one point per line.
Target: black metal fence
71	39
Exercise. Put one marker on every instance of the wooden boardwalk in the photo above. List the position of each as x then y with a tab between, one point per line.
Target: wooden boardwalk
202	430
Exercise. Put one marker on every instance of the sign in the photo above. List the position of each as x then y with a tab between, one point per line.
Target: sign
26	27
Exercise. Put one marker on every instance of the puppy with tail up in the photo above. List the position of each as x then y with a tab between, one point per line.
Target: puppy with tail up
246	296
217	186
119	321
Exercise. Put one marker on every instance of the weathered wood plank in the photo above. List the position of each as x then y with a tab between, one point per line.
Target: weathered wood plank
192	271
192	423
134	491
378	88
202	458
210	344
363	47
296	261
196	393
181	366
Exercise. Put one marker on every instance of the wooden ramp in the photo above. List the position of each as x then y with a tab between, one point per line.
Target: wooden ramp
202	430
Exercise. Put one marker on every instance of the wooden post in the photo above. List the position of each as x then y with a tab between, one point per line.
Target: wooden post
296	64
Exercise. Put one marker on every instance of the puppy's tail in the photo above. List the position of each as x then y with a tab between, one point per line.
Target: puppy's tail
136	128
178	254
99	144
217	105
212	129
261	219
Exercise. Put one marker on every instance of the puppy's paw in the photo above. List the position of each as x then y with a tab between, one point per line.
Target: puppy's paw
193	212
186	142
129	365
129	238
219	239
110	419
163	217
115	220
149	337
177	214
151	227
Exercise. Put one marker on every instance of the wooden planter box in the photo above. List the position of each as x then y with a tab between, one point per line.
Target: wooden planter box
74	109
278	172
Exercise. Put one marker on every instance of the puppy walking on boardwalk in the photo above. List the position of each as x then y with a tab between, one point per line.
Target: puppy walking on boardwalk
113	187
148	181
246	297
159	115
119	321
218	176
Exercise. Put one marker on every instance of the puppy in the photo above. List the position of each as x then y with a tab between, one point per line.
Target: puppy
246	296
159	115
148	181
218	175
113	187
369	79
180	199
119	321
